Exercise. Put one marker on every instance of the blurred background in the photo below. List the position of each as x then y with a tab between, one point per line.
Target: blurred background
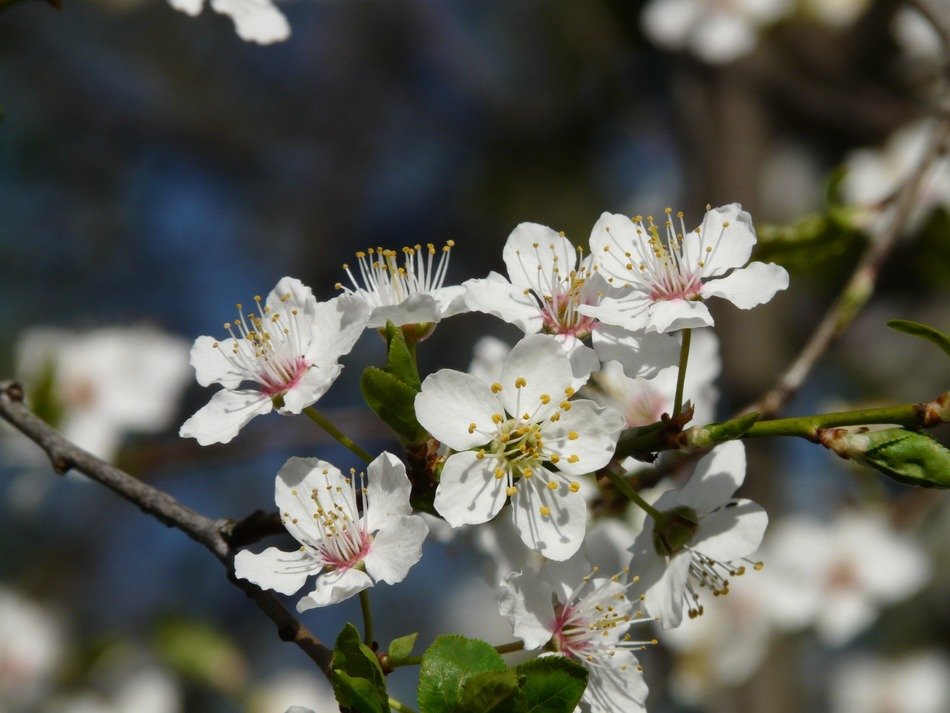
155	169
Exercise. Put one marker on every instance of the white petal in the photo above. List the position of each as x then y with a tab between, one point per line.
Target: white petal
526	600
596	428
284	572
673	315
293	486
211	366
387	492
717	476
468	492
731	533
337	325
396	548
451	300
669	22
533	267
540	360
612	237
190	7
842	616
417	309
255	20
496	296
222	417
723	37
631	311
640	355
748	286
311	386
613	688
662	581
732	245
333	587
583	359
557	535
450	402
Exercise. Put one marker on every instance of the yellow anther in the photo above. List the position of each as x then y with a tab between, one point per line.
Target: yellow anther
472	427
565	405
573	458
499	473
545	511
511	490
555	458
555	417
569	391
571	435
520	382
552	485
574	486
496	418
495	388
545	399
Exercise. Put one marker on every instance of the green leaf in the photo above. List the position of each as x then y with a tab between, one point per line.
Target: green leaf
201	653
906	456
447	665
551	684
356	677
923	331
401	648
399	360
394	402
489	692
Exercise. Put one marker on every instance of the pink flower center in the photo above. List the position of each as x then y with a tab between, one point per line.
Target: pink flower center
570	631
281	380
351	554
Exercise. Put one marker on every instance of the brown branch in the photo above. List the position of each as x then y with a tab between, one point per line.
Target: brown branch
221	537
859	287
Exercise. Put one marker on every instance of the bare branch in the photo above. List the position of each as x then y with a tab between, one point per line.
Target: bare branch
221	537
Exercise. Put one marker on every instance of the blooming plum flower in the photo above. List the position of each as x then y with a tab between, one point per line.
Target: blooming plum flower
548	282
914	683
254	20
664	282
411	293
520	438
348	551
568	608
289	349
701	539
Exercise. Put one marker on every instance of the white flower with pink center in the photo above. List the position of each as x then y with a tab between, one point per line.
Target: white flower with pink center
410	293
549	283
522	438
666	274
347	549
571	611
286	350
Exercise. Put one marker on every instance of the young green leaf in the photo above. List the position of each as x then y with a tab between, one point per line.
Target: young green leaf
489	692
923	331
356	675
447	665
550	684
401	648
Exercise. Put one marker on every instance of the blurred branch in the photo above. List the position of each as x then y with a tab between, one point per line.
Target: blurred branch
221	537
859	287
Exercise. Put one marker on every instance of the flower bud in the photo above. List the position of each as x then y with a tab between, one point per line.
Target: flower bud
906	456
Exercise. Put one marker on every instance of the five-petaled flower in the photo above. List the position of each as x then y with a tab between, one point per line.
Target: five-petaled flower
665	276
290	349
348	550
570	610
520	438
549	282
701	539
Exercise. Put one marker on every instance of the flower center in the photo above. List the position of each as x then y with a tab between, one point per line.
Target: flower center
343	540
383	282
267	346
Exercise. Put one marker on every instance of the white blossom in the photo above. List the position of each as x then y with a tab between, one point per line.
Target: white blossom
666	277
31	648
915	683
705	537
522	438
288	348
348	551
254	20
406	294
548	282
285	692
568	608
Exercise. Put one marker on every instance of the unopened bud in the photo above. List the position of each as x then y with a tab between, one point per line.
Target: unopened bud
906	456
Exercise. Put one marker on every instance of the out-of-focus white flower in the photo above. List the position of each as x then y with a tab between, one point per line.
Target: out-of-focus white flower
407	294
702	541
348	551
875	174
289	350
716	32
138	688
665	279
488	359
585	617
837	14
548	282
520	438
916	35
285	692
31	648
839	575
96	386
917	683
254	20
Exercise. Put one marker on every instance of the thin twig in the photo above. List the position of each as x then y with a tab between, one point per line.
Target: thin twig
221	537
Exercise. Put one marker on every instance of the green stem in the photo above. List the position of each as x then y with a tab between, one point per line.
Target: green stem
367	618
400	707
624	487
907	416
327	426
681	376
510	648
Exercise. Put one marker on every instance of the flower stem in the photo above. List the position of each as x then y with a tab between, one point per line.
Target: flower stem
681	376
510	648
367	618
624	487
400	707
327	426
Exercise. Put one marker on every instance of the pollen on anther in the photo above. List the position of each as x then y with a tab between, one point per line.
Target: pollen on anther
571	435
472	427
575	486
511	490
552	485
544	399
573	458
545	511
520	382
495	388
